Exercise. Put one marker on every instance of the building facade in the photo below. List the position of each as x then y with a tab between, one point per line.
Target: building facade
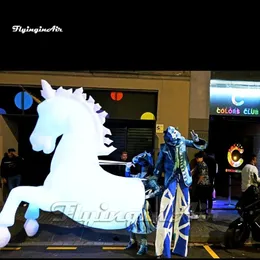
182	96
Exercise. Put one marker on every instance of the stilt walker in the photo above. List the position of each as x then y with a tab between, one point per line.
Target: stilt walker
175	202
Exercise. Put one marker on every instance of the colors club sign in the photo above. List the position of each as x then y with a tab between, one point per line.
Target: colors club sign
235	98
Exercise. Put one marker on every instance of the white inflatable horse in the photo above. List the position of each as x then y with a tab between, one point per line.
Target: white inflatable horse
76	184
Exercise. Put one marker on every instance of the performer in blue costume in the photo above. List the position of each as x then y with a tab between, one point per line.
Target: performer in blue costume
143	225
175	202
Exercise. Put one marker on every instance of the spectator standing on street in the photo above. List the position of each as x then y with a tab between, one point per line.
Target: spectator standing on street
249	174
3	186
11	169
120	169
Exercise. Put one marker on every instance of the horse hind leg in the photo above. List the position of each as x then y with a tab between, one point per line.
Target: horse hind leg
31	195
5	236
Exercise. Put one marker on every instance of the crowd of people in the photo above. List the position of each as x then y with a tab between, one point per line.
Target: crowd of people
202	192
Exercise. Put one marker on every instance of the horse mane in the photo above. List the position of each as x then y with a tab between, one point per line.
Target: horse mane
48	92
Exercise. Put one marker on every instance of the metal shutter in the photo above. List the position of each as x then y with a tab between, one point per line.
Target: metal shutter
119	138
139	140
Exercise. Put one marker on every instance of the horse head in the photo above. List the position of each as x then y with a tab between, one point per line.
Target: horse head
143	159
172	136
64	112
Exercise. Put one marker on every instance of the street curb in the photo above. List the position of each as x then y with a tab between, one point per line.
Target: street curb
201	240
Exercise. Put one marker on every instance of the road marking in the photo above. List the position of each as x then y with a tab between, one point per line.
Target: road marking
10	248
116	248
211	252
61	248
113	247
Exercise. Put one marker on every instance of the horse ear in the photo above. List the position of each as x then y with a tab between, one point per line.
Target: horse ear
47	91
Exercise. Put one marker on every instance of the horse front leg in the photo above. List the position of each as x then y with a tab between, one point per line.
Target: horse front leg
36	197
31	225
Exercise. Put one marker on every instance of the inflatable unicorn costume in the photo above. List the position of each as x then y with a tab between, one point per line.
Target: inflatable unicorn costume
84	138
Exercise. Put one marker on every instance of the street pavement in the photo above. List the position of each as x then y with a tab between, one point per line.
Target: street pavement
195	251
59	236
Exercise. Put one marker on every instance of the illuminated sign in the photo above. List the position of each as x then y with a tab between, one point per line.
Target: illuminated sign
234	155
233	171
234	98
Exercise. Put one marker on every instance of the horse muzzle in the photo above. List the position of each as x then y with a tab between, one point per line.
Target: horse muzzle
42	143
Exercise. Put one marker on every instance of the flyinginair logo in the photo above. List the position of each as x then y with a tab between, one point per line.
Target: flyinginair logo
40	29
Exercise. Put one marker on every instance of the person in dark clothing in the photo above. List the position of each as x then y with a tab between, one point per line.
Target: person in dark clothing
209	159
204	185
120	171
3	186
11	169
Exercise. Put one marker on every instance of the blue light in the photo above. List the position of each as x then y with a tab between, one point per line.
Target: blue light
28	100
2	111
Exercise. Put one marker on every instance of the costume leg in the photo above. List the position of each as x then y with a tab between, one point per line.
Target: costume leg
133	236
181	219
143	245
165	222
132	241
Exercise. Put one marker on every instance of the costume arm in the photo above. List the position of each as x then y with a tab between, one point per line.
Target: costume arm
196	142
159	165
127	169
138	175
152	180
156	190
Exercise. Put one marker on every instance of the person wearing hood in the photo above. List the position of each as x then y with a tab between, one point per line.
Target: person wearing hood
175	203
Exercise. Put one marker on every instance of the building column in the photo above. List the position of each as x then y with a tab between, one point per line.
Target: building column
8	136
199	105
